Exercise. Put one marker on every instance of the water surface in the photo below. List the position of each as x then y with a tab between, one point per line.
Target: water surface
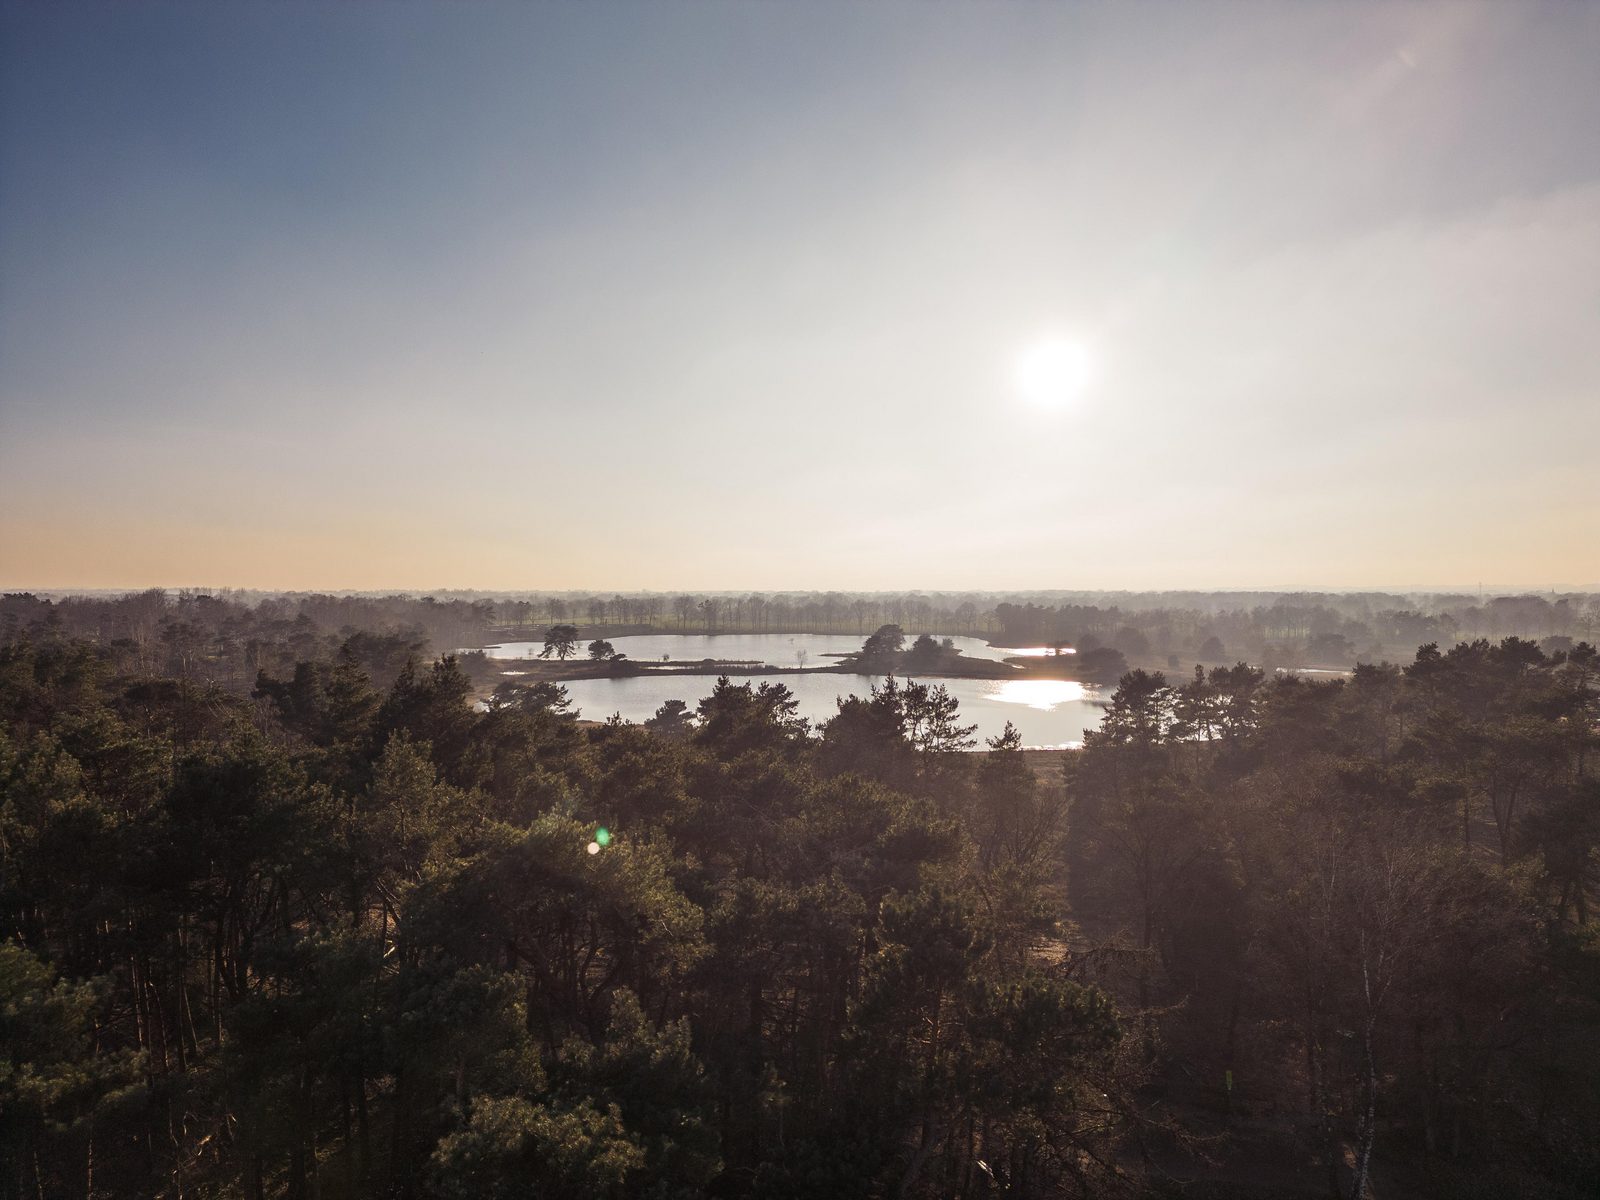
773	649
1047	712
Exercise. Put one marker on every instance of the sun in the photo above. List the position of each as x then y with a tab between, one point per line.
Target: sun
1052	371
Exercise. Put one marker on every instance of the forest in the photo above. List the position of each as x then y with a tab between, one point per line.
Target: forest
339	933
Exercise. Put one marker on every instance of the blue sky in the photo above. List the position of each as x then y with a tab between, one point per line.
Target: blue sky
730	295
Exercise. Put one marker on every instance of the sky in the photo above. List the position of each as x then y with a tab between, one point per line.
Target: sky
733	295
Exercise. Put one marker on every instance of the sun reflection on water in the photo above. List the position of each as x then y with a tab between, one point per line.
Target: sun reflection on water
1043	694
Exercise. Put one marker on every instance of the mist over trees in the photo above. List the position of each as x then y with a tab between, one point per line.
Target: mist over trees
230	635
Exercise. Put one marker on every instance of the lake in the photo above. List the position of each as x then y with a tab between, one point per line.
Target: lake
1049	713
774	649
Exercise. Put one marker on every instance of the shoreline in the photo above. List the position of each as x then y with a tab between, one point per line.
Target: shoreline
538	669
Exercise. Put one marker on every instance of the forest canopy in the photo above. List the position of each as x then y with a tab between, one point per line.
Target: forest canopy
342	933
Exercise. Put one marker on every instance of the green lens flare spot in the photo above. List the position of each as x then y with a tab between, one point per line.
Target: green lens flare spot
603	836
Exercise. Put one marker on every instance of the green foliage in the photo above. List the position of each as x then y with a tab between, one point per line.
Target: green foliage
672	720
650	1075
1032	1039
513	1148
54	1080
409	824
351	943
1360	874
882	649
739	718
560	640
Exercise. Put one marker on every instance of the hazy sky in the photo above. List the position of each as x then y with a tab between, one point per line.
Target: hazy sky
731	295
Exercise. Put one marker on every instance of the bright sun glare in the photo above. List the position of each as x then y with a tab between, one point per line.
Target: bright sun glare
1052	371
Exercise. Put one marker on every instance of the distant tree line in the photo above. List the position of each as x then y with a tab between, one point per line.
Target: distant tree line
1297	630
228	636
227	639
